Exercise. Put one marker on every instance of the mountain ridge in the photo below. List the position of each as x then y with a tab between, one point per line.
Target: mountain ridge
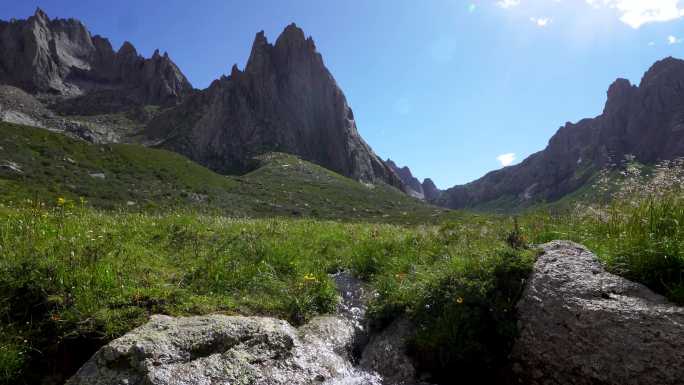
60	57
425	190
284	100
644	121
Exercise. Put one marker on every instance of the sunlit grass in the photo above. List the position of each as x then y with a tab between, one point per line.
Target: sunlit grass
68	271
638	232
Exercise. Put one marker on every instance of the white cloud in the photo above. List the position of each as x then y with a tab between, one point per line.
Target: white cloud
541	21
506	159
508	3
636	13
673	40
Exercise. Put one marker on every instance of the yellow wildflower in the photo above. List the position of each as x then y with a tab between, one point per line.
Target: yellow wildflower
459	300
61	201
310	278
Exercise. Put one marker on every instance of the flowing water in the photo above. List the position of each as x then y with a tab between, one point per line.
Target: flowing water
352	309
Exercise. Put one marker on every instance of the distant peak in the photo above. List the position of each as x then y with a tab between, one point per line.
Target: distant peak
260	38
660	70
618	87
619	94
127	49
235	71
292	35
428	181
292	27
259	56
41	14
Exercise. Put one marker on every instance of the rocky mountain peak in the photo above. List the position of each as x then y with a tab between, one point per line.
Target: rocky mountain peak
430	190
414	186
40	15
235	71
127	49
291	36
286	100
646	122
619	94
61	57
260	57
662	72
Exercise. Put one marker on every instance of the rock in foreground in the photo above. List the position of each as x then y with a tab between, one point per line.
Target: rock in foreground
226	350
583	325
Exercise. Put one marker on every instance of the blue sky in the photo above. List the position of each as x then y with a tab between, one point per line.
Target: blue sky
450	88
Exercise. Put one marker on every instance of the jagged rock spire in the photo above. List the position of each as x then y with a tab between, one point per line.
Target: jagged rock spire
286	100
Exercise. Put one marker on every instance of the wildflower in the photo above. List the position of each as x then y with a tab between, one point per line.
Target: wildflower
61	201
459	300
310	278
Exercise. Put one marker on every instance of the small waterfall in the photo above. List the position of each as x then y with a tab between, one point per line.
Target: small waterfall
352	308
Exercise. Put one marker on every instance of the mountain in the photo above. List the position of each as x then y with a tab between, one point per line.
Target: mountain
431	192
645	122
413	185
426	191
60	57
285	100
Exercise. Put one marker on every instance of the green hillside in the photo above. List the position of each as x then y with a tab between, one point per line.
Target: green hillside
42	166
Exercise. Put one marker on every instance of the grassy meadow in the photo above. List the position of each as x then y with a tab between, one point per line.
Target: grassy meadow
84	259
72	273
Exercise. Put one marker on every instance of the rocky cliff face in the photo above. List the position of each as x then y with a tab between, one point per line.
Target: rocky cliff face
432	193
285	100
60	57
646	121
413	185
426	191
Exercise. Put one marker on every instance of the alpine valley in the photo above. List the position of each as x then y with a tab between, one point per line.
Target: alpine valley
153	233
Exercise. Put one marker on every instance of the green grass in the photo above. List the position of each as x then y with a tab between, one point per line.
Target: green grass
142	179
71	273
642	240
161	234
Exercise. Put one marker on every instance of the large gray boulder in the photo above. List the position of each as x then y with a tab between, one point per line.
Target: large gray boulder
218	350
387	354
582	325
227	350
